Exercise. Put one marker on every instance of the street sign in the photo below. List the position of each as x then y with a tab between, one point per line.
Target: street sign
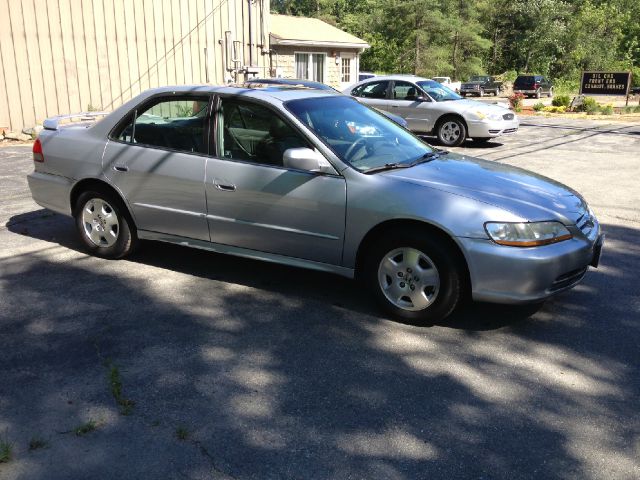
605	83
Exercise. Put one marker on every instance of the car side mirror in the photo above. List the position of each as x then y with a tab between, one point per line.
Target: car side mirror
306	159
422	98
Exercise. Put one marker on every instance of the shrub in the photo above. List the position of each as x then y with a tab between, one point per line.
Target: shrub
538	106
561	101
606	109
552	109
515	101
588	105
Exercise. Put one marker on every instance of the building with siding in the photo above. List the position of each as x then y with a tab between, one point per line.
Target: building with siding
67	56
308	48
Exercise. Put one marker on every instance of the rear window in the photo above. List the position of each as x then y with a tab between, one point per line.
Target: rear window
525	80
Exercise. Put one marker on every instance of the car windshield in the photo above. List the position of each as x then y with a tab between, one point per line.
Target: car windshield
357	134
438	92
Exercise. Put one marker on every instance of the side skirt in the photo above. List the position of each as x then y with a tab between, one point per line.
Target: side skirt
247	253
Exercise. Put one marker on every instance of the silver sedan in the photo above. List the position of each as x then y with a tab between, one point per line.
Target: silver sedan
432	109
316	180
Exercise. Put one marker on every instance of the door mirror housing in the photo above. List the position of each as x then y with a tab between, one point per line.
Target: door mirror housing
306	159
422	98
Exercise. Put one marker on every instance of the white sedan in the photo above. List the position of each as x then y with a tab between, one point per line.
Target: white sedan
432	109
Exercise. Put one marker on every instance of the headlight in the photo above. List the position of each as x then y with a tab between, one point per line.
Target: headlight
527	234
479	115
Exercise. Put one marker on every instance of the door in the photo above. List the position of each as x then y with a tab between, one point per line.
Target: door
157	159
419	114
347	69
254	202
374	94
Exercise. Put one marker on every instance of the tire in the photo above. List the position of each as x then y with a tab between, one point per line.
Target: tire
104	224
550	92
539	93
463	94
415	276
481	94
447	129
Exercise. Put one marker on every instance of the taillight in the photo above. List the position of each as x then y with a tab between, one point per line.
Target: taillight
37	151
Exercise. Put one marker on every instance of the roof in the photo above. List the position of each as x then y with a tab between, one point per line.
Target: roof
304	31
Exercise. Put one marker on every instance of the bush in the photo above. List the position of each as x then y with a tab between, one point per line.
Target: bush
515	101
561	101
552	109
589	105
538	106
606	109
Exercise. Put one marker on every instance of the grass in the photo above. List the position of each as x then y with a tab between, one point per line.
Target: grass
182	433
85	428
6	450
37	443
125	404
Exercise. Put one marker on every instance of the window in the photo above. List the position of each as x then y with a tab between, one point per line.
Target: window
179	123
254	133
404	91
371	90
346	69
310	66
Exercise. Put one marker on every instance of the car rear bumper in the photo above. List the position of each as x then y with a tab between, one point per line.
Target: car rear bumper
491	129
514	275
527	92
50	191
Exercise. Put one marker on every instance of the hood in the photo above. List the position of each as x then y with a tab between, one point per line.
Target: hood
465	105
475	82
523	193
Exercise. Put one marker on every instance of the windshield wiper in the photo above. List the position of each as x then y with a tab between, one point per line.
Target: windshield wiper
427	157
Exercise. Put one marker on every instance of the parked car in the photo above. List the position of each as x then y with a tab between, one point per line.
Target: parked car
533	86
432	109
365	75
322	86
281	175
446	81
480	85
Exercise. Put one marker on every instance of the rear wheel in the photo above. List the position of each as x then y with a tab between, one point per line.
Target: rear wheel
451	131
539	93
105	227
414	276
481	94
550	92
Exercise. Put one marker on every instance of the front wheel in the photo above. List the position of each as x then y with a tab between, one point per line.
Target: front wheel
481	94
550	92
103	224
451	132
414	276
539	93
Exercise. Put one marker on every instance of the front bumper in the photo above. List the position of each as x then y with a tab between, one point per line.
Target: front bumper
515	275
493	128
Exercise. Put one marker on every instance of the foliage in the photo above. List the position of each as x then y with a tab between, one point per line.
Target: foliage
606	109
6	450
515	101
561	101
538	106
558	38
554	109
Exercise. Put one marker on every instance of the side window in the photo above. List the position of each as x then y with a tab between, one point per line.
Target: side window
372	90
404	91
251	132
178	123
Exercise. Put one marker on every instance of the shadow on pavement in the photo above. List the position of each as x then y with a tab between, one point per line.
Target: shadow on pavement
282	373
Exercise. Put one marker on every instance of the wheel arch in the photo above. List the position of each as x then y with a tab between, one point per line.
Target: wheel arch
444	116
389	226
88	183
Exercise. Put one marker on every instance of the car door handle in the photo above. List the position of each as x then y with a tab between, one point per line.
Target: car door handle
121	168
225	187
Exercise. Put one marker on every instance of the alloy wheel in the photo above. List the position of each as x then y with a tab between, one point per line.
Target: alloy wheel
408	279
450	132
100	222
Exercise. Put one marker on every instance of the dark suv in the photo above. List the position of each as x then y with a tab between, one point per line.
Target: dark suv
533	86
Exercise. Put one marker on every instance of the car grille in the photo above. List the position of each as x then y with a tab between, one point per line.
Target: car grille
585	223
568	279
471	87
508	116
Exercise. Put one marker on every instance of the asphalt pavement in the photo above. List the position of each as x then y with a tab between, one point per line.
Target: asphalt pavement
183	364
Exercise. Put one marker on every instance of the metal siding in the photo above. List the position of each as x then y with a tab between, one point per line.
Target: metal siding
62	56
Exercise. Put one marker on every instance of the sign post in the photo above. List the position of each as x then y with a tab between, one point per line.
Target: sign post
606	83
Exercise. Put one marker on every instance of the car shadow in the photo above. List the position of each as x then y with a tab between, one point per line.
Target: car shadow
290	281
491	144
